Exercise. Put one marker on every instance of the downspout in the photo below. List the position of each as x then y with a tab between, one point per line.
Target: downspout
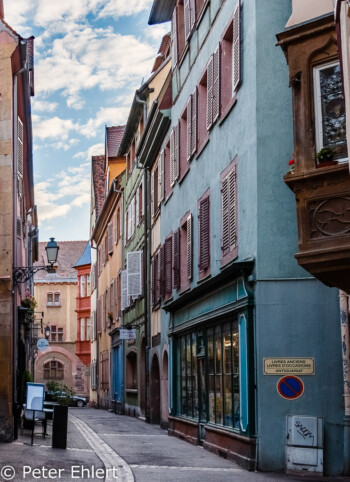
345	339
147	281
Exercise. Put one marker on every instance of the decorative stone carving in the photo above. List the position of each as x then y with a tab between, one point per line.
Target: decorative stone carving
330	217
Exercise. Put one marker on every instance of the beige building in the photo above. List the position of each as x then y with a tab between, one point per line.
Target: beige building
56	295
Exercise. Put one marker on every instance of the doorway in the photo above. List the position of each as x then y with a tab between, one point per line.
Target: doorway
155	392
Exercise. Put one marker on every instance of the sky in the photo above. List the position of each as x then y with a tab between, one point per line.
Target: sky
90	56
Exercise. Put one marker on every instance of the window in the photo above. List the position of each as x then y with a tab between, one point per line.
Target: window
174	154
93	375
204	235
56	333
213	353
185	251
140	210
117	227
229	247
88	285
330	109
53	370
82	286
191	126
213	89
110	238
168	249
178	32
154	192
167	174
53	299
202	100
104	370
82	329
183	161
156	279
49	298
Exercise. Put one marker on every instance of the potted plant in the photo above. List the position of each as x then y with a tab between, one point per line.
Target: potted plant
29	301
110	318
325	157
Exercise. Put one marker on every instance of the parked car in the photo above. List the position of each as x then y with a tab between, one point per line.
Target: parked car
73	400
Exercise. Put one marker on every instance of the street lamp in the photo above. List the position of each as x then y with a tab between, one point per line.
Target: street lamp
25	273
47	332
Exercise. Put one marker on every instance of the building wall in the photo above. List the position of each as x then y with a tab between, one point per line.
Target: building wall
304	11
7	47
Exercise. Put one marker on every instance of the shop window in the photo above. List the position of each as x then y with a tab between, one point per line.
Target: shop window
330	110
53	370
131	371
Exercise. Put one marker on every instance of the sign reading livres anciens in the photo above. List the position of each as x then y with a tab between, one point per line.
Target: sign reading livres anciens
289	366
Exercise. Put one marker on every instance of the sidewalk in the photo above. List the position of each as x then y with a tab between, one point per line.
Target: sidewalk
105	446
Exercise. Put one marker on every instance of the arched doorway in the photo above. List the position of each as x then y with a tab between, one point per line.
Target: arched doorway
155	392
164	393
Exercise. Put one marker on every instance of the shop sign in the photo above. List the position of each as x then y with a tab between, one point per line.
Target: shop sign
125	334
42	344
289	366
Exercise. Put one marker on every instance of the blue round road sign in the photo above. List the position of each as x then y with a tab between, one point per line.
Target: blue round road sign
42	344
290	387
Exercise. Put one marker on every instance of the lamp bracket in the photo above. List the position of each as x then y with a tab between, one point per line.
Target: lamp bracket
25	273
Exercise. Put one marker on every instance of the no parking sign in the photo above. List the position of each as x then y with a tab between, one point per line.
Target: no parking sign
290	387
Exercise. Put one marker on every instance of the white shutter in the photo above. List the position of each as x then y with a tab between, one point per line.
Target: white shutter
137	212
194	121
216	84
141	199
209	120
20	137
172	156
236	48
124	289
152	195
134	270
187	18
177	151
189	129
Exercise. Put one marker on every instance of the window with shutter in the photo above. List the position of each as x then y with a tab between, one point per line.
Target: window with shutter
20	140
189	246
137	207
204	233
177	151
168	266
106	247
189	129
176	259
142	203
210	93
187	17
134	273
216	85
110	238
162	271
118	226
161	176
194	122
119	296
124	290
172	156
152	195
229	247
155	191
236	51
174	53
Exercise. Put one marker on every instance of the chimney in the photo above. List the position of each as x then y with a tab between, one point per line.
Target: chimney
2	9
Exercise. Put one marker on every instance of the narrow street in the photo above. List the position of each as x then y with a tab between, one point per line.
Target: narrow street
105	446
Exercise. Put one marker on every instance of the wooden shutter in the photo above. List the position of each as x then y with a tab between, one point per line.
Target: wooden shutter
98	315
161	176
152	195
174	52
20	137
225	213
168	266
236	48
216	84
108	306
194	122
187	18
172	156
177	152
158	277
137	208
193	14
189	129
141	199
30	53
204	234
176	260
110	238
162	271
209	120
107	244
189	247
134	270
153	278
233	208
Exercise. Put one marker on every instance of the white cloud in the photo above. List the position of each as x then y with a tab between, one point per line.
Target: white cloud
106	115
69	188
95	150
53	128
157	32
44	106
119	8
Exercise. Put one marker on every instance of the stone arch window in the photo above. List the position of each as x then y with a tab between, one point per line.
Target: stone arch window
131	371
53	370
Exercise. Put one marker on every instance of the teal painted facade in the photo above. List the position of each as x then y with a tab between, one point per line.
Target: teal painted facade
263	298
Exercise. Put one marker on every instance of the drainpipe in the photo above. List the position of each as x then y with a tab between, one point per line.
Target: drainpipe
345	338
147	284
140	101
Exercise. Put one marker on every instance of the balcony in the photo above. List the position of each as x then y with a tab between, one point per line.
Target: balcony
323	214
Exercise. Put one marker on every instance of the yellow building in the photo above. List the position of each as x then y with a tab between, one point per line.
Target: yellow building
56	295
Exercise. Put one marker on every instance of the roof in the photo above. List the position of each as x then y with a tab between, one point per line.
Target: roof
98	181
114	137
85	257
161	11
163	52
68	255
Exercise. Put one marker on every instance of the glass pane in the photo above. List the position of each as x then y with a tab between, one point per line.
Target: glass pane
211	380
211	371
183	377
218	378
178	376
228	400
227	368
82	329
194	375
57	298
189	375
219	400
333	110
88	328
49	297
60	334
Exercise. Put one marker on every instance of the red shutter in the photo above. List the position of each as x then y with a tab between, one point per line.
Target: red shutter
216	84
161	176
174	52
193	14
233	208
187	18
110	238
172	156
152	195
225	213
209	121
154	281
189	129
176	261
168	266
236	48
189	247
204	235
177	151
162	271
194	122
158	277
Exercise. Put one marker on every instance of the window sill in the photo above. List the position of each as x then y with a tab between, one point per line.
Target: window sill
227	110
131	391
54	306
185	289
202	146
169	196
203	275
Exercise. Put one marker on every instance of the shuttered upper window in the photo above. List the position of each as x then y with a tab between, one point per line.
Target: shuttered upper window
229	246
213	89
168	264
174	154
20	137
231	61
204	235
185	251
